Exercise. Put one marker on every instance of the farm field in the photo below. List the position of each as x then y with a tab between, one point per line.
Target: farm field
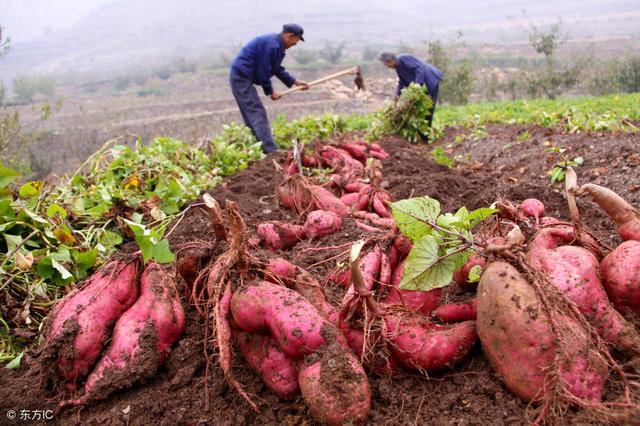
484	152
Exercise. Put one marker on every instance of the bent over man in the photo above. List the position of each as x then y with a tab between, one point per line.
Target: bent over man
412	70
257	62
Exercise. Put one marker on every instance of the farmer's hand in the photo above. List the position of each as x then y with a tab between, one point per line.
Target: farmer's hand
275	96
304	84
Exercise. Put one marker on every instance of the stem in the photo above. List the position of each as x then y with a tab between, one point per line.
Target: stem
13	252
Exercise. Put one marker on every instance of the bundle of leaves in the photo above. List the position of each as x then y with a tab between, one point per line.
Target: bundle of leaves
406	118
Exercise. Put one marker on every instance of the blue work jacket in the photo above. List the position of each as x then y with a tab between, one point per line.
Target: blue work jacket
260	59
412	70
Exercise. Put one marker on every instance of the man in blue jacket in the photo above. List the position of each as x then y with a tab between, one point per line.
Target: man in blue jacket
257	62
412	70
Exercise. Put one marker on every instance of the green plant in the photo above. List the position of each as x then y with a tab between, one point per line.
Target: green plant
628	74
523	136
163	72
406	118
442	243
150	91
440	157
457	85
26	88
369	53
558	172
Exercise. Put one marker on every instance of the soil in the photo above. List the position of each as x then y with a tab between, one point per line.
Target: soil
511	162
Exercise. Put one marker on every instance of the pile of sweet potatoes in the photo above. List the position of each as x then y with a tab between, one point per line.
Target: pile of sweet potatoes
114	330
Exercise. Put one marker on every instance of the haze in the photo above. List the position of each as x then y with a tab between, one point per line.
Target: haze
88	35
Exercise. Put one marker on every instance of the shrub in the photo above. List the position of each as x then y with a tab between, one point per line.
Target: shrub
304	57
163	72
332	53
628	74
26	88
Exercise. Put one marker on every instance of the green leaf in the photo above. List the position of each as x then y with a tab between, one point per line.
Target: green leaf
15	363
162	252
411	216
84	261
7	176
61	269
425	268
475	273
480	215
31	189
54	209
110	239
45	268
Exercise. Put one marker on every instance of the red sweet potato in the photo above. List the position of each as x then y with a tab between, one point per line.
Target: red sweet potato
357	151
277	371
423	302
325	200
576	272
142	337
350	199
322	222
191	260
419	344
461	276
379	205
297	327
80	323
335	386
517	338
340	276
280	236
370	267
532	207
354	186
621	276
622	213
456	312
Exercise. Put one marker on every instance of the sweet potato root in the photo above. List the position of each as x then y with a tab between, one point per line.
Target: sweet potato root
335	386
576	272
621	276
142	337
423	302
322	222
516	336
82	321
277	371
277	235
456	312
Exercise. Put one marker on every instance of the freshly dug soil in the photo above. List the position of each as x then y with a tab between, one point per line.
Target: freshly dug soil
511	162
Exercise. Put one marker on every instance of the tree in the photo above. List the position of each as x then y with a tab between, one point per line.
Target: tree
332	53
4	43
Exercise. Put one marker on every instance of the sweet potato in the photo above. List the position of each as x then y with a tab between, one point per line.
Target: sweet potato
142	337
350	199
81	322
364	198
191	260
517	338
461	276
532	207
621	276
322	222
335	386
294	194
379	206
340	276
325	200
357	151
297	327
622	213
423	302
370	267
354	186
280	236
576	272
419	344
277	371
456	312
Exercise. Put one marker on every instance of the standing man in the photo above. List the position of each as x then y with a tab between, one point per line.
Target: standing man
412	70
257	62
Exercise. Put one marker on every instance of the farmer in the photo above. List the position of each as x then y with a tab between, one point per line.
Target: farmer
257	62
412	70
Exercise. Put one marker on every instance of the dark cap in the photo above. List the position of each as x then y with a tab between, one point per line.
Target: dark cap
294	29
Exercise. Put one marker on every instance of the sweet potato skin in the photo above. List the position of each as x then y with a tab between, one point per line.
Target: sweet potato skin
296	326
455	312
277	371
81	322
280	236
335	386
423	302
516	337
576	272
621	276
321	222
142	337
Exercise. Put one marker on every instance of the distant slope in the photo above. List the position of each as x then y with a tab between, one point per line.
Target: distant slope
135	31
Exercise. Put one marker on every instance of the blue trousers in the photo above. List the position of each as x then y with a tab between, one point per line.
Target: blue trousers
252	110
